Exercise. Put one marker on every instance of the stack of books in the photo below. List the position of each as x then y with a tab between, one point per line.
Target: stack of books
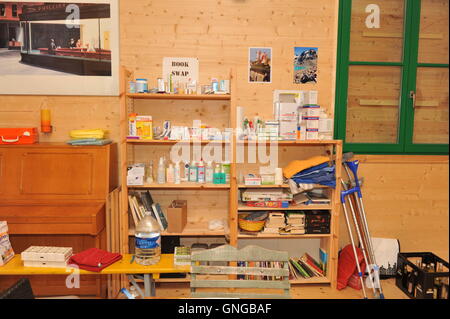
274	222
306	267
296	222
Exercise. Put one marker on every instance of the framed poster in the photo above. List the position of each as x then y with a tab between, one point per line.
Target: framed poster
305	65
59	47
260	65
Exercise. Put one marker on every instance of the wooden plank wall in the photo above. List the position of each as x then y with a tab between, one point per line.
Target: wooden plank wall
406	197
219	33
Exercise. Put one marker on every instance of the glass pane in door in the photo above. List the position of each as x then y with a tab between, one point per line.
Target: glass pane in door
376	33
373	104
431	107
433	36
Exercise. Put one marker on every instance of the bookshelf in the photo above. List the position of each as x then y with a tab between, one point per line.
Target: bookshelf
209	201
213	200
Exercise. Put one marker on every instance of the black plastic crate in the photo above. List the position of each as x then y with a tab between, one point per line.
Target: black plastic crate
420	277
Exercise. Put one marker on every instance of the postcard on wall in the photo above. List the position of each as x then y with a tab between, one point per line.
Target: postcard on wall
305	65
59	47
260	65
183	70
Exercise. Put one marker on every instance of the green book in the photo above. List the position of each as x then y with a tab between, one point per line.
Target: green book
299	268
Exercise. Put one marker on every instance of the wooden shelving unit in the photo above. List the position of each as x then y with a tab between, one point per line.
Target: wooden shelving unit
197	225
196	192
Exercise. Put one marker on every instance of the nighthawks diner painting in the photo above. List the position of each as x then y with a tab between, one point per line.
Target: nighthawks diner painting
70	47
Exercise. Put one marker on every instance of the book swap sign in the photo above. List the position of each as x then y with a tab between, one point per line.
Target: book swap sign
181	70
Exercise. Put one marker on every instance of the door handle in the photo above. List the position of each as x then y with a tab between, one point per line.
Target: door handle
412	95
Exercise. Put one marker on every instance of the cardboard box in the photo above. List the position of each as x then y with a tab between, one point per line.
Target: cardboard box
177	216
288	130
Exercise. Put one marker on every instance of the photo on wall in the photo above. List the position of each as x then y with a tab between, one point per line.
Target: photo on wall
305	65
260	65
59	47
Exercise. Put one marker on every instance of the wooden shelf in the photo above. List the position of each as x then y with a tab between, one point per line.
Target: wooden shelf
275	186
293	143
192	229
313	280
184	185
165	96
278	236
298	207
263	186
169	142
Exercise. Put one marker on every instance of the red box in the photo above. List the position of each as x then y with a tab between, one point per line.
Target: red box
15	136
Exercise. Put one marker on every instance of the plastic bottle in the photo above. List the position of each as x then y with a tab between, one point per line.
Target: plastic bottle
209	174
223	175
161	172
148	241
226	167
186	171
177	173
149	173
216	176
201	172
193	172
170	174
133	292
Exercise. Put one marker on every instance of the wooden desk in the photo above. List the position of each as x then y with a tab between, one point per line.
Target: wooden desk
15	268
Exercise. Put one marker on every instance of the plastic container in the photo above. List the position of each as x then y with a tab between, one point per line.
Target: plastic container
147	241
141	86
17	136
250	225
422	275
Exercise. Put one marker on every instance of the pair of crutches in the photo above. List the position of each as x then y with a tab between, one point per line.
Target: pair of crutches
353	195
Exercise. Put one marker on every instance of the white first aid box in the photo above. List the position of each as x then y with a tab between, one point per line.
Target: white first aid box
42	256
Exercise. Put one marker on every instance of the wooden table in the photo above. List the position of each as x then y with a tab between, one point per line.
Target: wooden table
15	267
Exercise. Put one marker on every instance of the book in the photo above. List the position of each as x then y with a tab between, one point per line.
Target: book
132	210
323	260
308	269
147	201
315	262
160	217
299	268
309	265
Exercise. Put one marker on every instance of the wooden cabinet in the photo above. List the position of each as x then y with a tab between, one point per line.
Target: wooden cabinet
55	195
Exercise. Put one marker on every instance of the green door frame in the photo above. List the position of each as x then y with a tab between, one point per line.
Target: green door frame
409	67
